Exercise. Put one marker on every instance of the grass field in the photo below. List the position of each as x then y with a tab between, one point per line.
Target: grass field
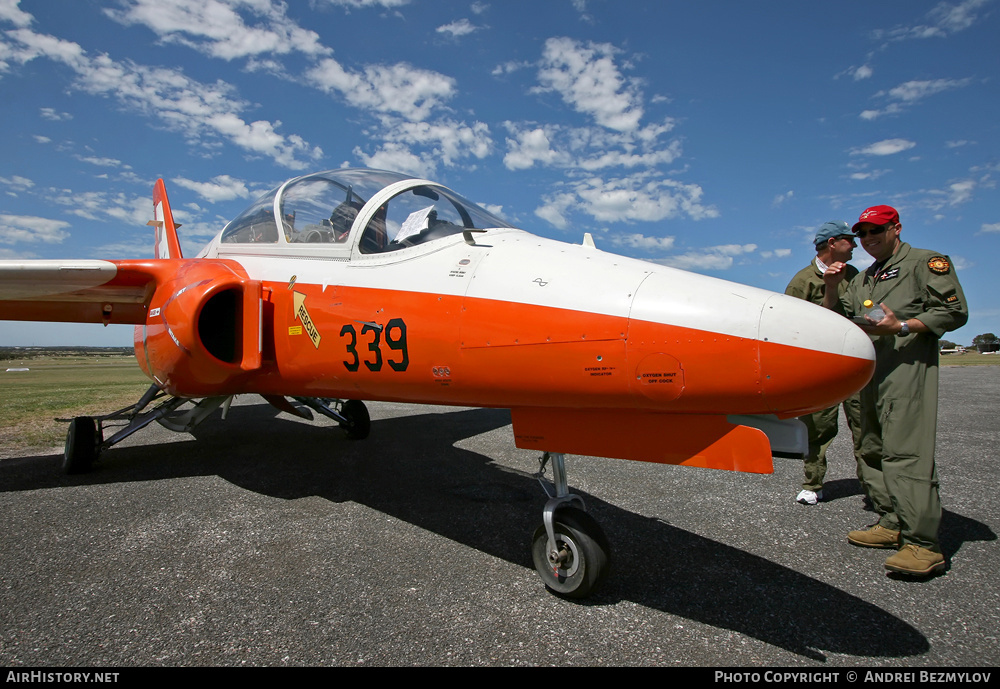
970	360
56	387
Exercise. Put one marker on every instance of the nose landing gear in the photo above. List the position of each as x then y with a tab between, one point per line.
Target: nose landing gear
569	550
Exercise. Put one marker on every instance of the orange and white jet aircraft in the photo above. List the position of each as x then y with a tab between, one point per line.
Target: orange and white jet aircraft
353	285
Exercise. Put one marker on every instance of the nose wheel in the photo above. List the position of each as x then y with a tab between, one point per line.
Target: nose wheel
569	550
577	563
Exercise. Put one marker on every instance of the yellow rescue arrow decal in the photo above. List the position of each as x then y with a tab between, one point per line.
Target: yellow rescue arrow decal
302	314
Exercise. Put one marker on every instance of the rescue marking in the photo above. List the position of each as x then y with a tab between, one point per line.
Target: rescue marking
302	314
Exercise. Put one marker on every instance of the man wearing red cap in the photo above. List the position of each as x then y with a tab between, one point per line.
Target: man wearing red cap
922	299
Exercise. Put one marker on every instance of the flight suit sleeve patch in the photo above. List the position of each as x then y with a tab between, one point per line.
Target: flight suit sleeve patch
952	299
939	265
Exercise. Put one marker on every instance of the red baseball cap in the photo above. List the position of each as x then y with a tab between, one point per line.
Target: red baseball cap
877	215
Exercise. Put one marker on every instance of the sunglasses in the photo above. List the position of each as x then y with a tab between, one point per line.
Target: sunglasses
861	234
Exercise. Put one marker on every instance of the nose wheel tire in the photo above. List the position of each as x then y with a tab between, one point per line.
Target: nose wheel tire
359	423
81	445
580	562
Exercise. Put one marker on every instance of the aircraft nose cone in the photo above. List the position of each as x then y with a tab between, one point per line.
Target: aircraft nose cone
811	358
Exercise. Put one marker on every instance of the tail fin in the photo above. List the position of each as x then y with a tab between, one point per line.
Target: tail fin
167	245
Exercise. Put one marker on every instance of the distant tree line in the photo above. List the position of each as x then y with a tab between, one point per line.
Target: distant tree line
7	353
987	342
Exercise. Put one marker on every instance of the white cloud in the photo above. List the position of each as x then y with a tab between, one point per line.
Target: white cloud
636	198
710	258
54	115
220	188
358	4
587	148
401	88
102	162
479	7
915	90
508	67
29	228
218	27
447	139
9	11
200	111
960	192
884	148
131	210
30	45
781	198
862	72
396	156
910	92
867	174
776	253
528	147
17	182
458	28
990	227
945	19
11	255
954	194
137	248
419	147
554	209
587	78
636	240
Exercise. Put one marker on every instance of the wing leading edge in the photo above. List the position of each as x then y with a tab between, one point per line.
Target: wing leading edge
75	291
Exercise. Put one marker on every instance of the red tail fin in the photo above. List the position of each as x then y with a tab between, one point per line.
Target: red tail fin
167	245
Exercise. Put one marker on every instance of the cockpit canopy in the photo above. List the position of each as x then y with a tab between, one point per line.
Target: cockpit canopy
377	210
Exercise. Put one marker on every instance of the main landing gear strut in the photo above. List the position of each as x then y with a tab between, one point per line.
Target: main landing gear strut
569	549
85	437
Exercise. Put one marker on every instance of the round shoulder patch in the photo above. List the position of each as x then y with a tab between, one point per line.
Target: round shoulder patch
939	265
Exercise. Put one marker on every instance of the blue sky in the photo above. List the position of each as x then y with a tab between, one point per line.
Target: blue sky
715	136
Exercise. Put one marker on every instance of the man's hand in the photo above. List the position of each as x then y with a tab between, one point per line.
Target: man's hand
834	275
891	325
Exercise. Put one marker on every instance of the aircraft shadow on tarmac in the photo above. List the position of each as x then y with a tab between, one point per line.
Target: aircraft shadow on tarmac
410	469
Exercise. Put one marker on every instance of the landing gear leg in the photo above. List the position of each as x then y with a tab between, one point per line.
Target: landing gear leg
85	438
569	549
352	415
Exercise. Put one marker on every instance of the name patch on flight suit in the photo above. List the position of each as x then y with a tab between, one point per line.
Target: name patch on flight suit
939	265
889	274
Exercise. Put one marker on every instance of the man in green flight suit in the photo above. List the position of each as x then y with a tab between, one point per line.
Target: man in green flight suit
834	243
922	299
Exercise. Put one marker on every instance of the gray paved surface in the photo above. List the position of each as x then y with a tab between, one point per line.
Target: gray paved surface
263	540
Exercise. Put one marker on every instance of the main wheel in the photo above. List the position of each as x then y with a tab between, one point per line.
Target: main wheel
581	560
359	423
81	445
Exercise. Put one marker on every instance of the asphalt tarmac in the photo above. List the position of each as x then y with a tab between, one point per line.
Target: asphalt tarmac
265	540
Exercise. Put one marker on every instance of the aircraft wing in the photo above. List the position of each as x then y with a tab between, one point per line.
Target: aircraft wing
73	291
